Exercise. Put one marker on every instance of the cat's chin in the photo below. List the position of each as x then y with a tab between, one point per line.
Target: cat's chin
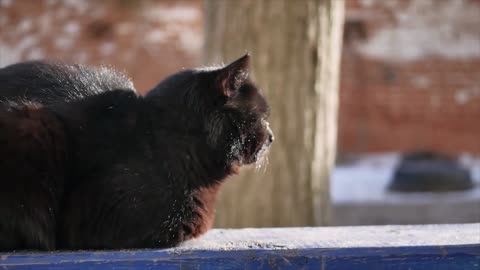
235	167
259	160
261	156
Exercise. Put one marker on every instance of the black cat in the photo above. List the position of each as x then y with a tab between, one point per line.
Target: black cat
86	163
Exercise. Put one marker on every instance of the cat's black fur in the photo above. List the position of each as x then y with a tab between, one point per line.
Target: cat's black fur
86	163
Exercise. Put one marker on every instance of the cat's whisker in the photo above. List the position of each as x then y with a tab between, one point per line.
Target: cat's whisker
262	159
265	164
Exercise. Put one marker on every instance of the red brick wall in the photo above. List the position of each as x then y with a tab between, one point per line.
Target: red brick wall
424	98
147	39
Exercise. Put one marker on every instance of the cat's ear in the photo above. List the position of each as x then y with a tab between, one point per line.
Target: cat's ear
234	75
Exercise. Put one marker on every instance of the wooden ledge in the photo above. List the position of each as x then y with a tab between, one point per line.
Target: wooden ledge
455	246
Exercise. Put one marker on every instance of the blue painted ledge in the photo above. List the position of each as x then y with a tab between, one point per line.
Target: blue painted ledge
429	247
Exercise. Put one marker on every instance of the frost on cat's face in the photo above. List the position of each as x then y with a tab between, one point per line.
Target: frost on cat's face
244	113
261	158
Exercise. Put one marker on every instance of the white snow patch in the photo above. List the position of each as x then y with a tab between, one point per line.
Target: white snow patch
9	55
421	82
64	42
366	3
470	161
462	96
24	26
426	28
171	14
107	48
293	239
26	43
35	54
367	180
157	36
79	6
71	28
190	40
178	23
5	3
12	53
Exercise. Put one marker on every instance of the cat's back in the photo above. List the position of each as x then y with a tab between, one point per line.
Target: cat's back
32	166
49	82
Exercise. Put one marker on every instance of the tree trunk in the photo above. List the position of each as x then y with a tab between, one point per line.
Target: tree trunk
295	48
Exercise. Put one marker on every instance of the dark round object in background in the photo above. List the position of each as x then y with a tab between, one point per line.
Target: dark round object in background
428	171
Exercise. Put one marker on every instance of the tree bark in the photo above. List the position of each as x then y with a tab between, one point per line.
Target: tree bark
295	48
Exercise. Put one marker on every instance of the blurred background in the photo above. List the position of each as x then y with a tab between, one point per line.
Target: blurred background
375	103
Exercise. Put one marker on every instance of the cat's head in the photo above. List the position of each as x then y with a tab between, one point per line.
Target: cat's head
226	105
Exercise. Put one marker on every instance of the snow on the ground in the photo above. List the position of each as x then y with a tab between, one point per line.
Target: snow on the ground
367	179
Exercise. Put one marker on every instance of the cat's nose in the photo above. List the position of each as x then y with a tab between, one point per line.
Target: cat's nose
271	137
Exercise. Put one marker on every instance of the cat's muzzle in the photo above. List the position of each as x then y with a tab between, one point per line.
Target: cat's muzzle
261	154
271	137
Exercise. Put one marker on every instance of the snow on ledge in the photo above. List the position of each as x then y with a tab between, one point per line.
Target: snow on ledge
377	247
